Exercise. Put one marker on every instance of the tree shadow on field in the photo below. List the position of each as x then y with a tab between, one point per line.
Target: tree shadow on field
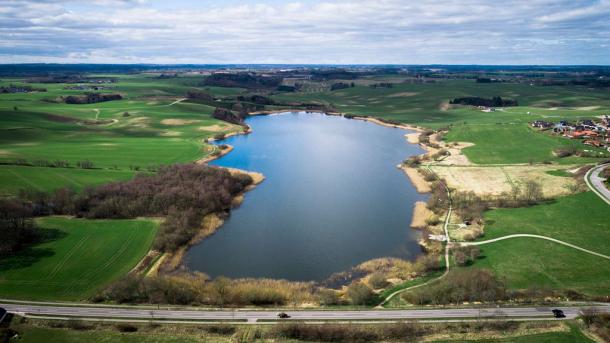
30	254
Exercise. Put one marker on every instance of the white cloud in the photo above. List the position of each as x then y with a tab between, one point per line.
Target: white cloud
353	31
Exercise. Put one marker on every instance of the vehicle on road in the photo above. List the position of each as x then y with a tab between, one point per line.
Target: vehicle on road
2	314
558	313
283	315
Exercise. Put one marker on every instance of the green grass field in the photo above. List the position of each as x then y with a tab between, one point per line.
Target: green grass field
77	258
15	178
499	137
581	219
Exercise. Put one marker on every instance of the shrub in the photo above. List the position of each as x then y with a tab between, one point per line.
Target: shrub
378	280
359	293
126	328
458	286
328	297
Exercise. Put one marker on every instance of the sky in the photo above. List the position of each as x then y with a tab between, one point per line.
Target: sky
306	32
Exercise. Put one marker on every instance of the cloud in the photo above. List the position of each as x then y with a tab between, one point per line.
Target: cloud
352	31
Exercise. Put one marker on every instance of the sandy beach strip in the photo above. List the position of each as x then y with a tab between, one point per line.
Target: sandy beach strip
420	214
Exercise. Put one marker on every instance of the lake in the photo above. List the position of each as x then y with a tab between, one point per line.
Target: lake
332	199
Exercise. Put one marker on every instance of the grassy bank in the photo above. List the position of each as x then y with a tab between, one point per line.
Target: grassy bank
77	257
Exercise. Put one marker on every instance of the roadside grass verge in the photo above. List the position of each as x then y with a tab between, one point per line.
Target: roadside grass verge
77	258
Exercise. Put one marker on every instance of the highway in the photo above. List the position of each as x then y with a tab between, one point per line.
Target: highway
251	316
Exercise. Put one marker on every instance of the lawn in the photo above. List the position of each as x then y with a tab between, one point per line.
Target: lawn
533	263
76	259
581	219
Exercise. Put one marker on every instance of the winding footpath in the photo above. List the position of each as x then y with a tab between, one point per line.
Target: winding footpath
535	236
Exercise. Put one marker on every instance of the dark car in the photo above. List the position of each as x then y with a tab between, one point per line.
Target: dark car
558	313
283	315
2	314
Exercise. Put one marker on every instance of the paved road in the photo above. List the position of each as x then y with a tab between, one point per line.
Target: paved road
539	237
596	183
252	316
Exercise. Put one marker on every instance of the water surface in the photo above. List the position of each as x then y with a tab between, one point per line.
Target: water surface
332	198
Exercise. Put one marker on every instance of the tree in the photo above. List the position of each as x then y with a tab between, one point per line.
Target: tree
378	280
328	297
221	289
359	293
532	192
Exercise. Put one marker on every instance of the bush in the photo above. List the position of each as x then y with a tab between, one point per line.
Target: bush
126	328
328	297
378	280
459	286
359	293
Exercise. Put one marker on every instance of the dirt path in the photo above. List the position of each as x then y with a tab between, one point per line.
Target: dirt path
539	237
177	101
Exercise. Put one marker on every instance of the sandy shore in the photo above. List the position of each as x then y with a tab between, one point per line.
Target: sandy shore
210	158
383	123
413	138
420	214
421	185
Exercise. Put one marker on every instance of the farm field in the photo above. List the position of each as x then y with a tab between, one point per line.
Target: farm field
76	258
496	179
15	178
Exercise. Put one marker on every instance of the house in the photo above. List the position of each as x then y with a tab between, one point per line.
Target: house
582	134
542	124
593	143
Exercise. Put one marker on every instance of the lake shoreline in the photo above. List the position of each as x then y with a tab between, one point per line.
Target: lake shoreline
171	262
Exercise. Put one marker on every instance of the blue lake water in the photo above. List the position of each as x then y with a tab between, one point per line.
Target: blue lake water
332	198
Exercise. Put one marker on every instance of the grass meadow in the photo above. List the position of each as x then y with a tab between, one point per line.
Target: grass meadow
581	219
76	258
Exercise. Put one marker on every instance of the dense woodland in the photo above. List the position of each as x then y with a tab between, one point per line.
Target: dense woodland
91	98
16	225
496	101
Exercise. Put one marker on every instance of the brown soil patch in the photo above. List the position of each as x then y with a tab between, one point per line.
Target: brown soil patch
421	213
215	128
179	121
421	185
493	180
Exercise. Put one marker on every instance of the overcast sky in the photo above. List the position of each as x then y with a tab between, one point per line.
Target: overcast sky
334	32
